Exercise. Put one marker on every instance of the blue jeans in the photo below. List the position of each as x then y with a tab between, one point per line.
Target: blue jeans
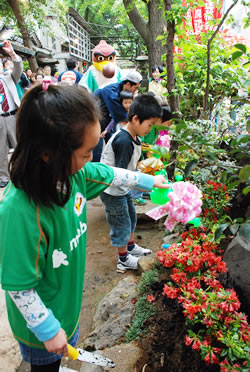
121	217
42	356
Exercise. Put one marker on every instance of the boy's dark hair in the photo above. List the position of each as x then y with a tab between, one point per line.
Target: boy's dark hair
125	94
50	124
145	107
166	113
71	63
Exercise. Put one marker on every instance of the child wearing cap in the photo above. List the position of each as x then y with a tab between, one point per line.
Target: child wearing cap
111	108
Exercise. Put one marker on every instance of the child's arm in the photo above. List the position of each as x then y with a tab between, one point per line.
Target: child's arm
100	176
40	320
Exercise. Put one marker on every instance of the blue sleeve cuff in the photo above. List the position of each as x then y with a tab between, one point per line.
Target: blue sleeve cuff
146	182
47	329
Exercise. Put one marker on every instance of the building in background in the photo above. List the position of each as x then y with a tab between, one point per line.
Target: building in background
54	44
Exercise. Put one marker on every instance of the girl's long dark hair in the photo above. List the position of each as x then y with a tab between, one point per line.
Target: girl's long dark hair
50	127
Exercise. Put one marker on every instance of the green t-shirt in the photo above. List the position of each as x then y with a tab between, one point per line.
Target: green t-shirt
45	249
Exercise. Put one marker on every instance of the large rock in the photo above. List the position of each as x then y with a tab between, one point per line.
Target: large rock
113	315
237	258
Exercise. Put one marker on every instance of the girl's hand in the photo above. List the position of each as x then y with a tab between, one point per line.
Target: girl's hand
57	344
161	182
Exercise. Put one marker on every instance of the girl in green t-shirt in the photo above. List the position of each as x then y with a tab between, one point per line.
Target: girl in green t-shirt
43	220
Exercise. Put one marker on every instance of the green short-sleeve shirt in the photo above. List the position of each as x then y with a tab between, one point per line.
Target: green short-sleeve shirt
45	249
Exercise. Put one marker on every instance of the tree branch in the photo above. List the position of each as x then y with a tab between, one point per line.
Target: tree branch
137	20
205	102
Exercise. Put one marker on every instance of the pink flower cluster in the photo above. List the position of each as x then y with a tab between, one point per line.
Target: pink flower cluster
164	139
185	204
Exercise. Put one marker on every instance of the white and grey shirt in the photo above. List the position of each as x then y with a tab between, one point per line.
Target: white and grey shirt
121	151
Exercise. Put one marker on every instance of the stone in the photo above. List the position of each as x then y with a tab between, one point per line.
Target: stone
146	263
237	258
113	315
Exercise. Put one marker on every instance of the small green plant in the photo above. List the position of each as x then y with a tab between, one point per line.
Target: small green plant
143	311
147	279
143	308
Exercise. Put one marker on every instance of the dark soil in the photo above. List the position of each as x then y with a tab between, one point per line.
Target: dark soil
163	344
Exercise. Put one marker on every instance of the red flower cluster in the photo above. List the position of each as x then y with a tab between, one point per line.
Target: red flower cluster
197	265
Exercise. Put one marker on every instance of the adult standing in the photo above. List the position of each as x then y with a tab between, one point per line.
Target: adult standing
9	102
110	103
47	75
70	76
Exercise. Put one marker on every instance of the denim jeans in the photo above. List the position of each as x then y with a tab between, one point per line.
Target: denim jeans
121	217
42	356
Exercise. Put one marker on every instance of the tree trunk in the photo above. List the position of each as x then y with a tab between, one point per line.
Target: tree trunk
24	31
156	25
171	82
149	30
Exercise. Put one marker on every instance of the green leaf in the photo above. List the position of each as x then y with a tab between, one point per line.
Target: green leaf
190	166
183	147
236	55
241	47
248	125
160	37
232	185
210	156
244	173
242	138
246	190
179	127
220	229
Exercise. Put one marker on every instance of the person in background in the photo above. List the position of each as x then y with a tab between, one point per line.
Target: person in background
39	70
43	254
109	98
9	102
155	85
126	99
32	79
23	81
47	75
123	150
71	75
39	78
28	73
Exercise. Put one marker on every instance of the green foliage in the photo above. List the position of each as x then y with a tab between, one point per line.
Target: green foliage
144	310
147	279
227	73
34	13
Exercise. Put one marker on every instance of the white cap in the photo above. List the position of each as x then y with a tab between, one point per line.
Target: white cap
134	77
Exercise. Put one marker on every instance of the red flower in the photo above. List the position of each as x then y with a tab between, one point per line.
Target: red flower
150	298
196	345
212	359
188	340
170	291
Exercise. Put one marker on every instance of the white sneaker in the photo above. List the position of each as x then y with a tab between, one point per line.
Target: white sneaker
140	251
130	263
